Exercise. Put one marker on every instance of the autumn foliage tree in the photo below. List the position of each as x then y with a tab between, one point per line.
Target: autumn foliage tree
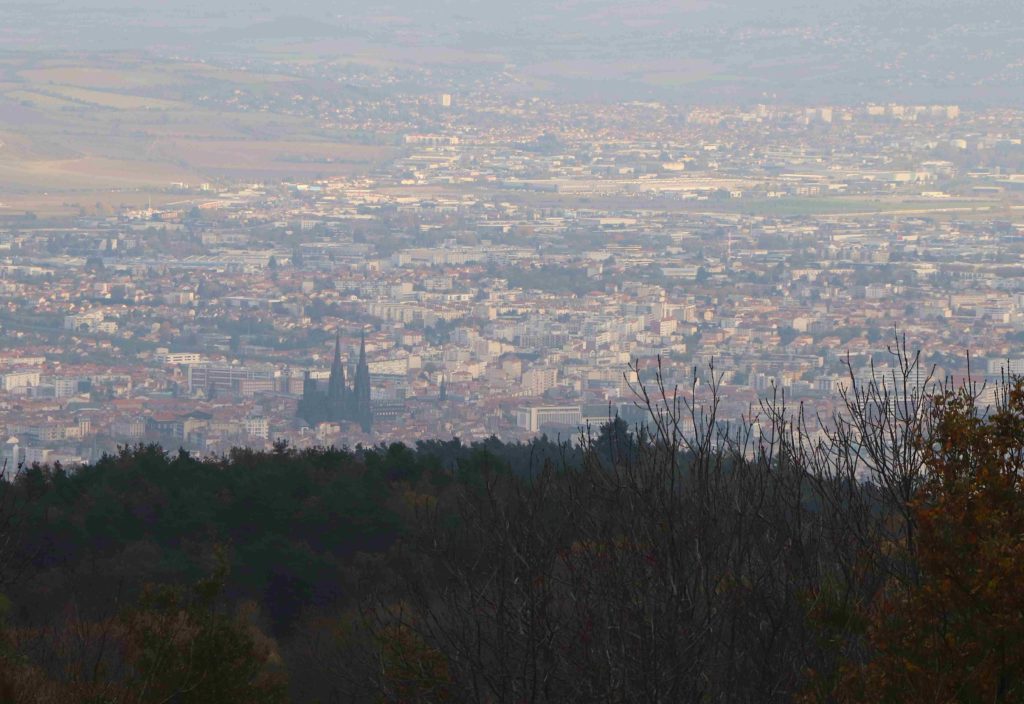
955	633
171	645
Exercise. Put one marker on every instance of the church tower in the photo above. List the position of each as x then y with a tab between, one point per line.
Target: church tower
339	403
311	406
336	389
361	390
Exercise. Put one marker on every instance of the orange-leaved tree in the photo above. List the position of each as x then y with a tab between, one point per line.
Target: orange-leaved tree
955	632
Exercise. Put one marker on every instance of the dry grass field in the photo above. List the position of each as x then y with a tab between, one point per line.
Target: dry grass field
98	78
286	155
69	204
76	126
40	100
90	172
109	99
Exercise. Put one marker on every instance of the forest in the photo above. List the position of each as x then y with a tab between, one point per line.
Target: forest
872	556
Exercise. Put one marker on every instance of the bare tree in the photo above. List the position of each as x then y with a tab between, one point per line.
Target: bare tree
688	560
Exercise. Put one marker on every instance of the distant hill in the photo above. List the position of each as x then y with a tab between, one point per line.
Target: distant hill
732	50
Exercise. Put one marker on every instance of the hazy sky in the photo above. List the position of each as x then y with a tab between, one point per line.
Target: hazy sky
717	11
936	50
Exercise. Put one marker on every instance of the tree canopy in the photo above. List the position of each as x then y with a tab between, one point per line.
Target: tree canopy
685	560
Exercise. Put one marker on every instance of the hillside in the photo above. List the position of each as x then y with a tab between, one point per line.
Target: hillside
640	566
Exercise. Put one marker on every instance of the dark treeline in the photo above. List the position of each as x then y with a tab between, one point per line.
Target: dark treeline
685	561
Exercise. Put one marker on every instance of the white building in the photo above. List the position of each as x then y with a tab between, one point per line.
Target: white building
258	427
179	358
532	418
537	381
19	380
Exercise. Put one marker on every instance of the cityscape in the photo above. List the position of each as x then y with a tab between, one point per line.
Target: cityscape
478	352
519	278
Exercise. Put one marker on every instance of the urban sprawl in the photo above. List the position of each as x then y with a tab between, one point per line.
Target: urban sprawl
516	268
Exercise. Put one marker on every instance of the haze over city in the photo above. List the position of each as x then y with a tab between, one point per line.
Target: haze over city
465	227
511	202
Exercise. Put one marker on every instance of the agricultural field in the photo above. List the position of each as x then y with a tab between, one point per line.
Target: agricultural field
819	206
74	125
116	101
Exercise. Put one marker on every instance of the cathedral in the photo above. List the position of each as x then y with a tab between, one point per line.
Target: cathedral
339	403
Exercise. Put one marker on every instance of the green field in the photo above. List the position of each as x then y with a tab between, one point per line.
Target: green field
810	206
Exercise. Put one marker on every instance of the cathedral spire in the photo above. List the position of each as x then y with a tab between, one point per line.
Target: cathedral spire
336	382
361	388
